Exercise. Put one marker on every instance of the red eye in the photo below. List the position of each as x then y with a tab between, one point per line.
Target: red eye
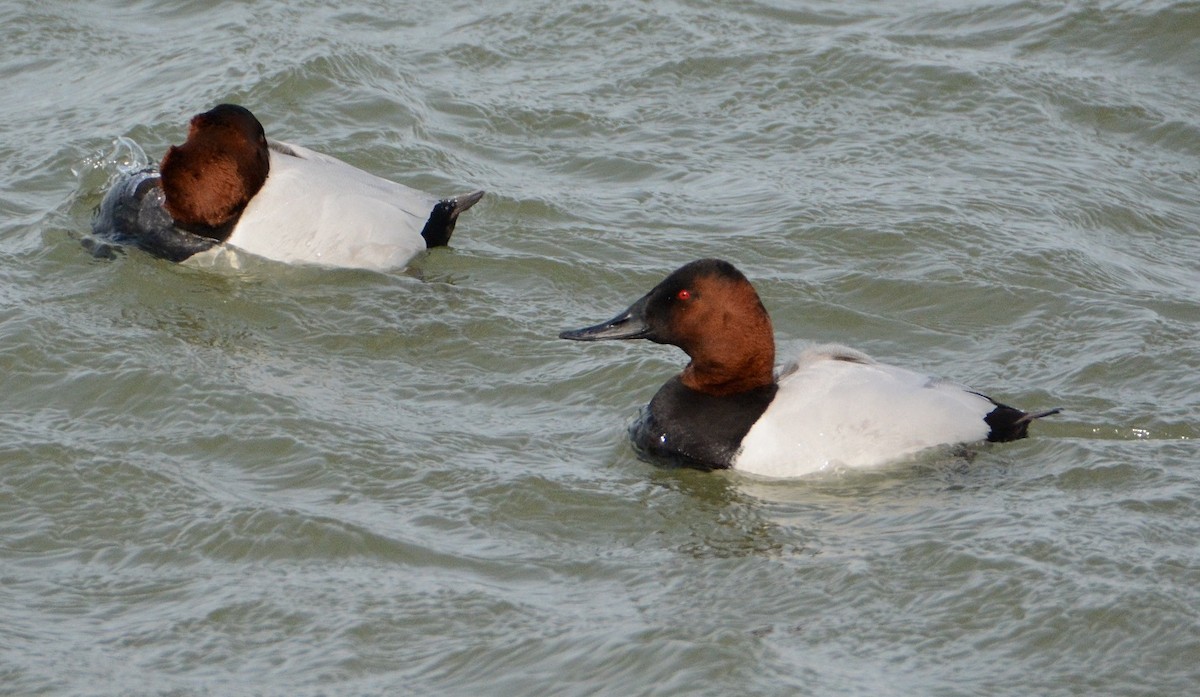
684	294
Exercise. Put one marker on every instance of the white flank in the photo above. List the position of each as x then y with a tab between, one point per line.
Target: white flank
316	209
832	412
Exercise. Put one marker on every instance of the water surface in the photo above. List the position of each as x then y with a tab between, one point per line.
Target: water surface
295	481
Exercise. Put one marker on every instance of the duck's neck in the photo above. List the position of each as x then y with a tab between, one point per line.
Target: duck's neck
207	186
738	359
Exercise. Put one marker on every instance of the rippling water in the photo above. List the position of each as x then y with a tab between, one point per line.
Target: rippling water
291	481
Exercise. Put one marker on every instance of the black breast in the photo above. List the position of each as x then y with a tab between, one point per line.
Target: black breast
132	212
684	427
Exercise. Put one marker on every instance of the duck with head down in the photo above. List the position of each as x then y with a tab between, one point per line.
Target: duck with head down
228	184
833	407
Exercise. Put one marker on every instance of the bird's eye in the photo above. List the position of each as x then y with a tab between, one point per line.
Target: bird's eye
684	294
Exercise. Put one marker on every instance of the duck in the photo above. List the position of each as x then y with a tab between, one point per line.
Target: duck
228	185
831	409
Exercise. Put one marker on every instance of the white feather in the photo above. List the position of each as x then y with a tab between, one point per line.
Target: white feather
317	209
836	407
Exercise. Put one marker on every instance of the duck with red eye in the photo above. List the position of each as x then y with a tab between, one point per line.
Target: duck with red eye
834	407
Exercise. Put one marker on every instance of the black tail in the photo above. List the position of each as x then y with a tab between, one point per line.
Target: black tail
441	221
1007	423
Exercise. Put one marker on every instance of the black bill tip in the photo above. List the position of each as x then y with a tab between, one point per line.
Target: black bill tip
627	325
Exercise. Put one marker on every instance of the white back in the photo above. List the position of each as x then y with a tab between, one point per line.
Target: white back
837	407
317	209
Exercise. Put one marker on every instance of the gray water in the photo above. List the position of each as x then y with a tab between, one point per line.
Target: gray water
297	481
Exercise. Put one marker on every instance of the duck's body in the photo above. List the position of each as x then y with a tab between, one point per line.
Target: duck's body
833	407
317	209
840	406
229	185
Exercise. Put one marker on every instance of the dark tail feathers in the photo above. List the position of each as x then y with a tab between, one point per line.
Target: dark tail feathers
441	221
1007	423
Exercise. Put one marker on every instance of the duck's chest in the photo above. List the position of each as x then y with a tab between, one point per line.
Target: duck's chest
693	429
133	212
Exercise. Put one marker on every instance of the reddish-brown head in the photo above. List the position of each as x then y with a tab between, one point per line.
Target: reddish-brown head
708	309
208	180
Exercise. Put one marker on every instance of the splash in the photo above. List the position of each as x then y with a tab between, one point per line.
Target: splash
122	156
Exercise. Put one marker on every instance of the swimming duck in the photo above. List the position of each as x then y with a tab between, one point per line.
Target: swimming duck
228	184
833	407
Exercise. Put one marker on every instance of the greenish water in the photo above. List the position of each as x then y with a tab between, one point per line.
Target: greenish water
291	481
